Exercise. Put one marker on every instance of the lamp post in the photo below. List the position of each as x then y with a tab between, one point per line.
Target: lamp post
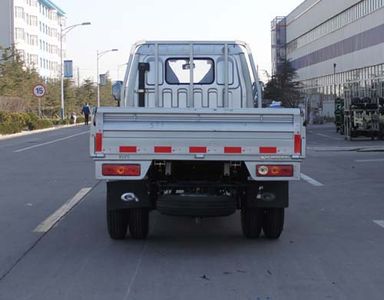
100	54
63	32
334	80
118	70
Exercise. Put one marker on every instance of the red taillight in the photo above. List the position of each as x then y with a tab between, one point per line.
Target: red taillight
99	142
297	146
121	170
274	170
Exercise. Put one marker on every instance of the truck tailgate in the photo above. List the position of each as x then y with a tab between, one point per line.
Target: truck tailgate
211	134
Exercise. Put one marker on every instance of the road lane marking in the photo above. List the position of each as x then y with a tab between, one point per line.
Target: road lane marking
369	160
329	137
138	266
379	222
310	180
50	142
54	218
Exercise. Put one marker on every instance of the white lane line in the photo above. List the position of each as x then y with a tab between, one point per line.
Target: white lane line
328	136
379	222
369	160
53	219
310	180
50	142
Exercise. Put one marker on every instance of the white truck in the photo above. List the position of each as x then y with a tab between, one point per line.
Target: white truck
190	138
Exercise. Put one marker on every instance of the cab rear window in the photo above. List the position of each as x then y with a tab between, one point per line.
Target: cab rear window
178	71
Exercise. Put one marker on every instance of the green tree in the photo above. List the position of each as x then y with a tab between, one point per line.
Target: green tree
106	98
86	93
283	87
17	80
51	101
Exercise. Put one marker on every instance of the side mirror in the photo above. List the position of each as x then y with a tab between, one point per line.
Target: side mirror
116	90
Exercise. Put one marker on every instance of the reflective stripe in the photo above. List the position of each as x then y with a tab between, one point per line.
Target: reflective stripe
128	149
297	143
269	150
163	149
99	142
197	149
232	150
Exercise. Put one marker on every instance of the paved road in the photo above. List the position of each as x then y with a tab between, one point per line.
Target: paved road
332	246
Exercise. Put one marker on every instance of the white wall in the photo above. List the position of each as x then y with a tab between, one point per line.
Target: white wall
312	13
358	59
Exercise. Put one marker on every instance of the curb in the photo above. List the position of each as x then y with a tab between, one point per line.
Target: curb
24	133
346	148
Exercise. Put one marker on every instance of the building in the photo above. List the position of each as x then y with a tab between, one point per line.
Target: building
336	47
33	27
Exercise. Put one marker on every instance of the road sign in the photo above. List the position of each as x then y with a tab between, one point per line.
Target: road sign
39	90
68	68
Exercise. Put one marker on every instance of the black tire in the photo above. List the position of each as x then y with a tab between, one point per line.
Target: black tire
273	222
117	221
139	223
251	222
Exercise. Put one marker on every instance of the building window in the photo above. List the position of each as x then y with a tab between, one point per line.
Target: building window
33	20
21	54
19	12
19	34
34	40
348	16
34	59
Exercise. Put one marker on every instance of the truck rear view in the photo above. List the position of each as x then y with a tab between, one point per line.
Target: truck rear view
189	138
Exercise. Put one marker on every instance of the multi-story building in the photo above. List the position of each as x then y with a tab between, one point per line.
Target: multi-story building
33	27
336	47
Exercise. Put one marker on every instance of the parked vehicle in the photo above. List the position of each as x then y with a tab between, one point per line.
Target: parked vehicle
361	118
190	138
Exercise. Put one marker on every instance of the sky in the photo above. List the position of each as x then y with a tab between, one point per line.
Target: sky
120	23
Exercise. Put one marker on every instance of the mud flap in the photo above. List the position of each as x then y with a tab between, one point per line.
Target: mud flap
267	194
128	194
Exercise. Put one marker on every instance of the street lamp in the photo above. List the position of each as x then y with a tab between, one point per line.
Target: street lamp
118	70
63	32
100	54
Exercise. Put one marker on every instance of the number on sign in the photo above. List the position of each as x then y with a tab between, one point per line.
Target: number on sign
39	90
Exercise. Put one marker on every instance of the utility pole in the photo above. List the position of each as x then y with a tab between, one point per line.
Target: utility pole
78	77
63	32
98	55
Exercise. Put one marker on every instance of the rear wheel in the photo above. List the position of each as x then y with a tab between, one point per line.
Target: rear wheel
139	223
117	222
251	222
273	222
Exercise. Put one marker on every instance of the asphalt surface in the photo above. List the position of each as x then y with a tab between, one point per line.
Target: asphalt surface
331	248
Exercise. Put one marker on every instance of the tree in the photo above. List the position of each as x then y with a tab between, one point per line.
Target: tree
17	80
283	87
106	98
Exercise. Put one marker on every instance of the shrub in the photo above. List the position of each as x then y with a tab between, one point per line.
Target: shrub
57	122
12	122
80	120
16	122
40	124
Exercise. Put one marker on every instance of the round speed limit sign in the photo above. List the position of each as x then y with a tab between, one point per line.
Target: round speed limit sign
39	90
